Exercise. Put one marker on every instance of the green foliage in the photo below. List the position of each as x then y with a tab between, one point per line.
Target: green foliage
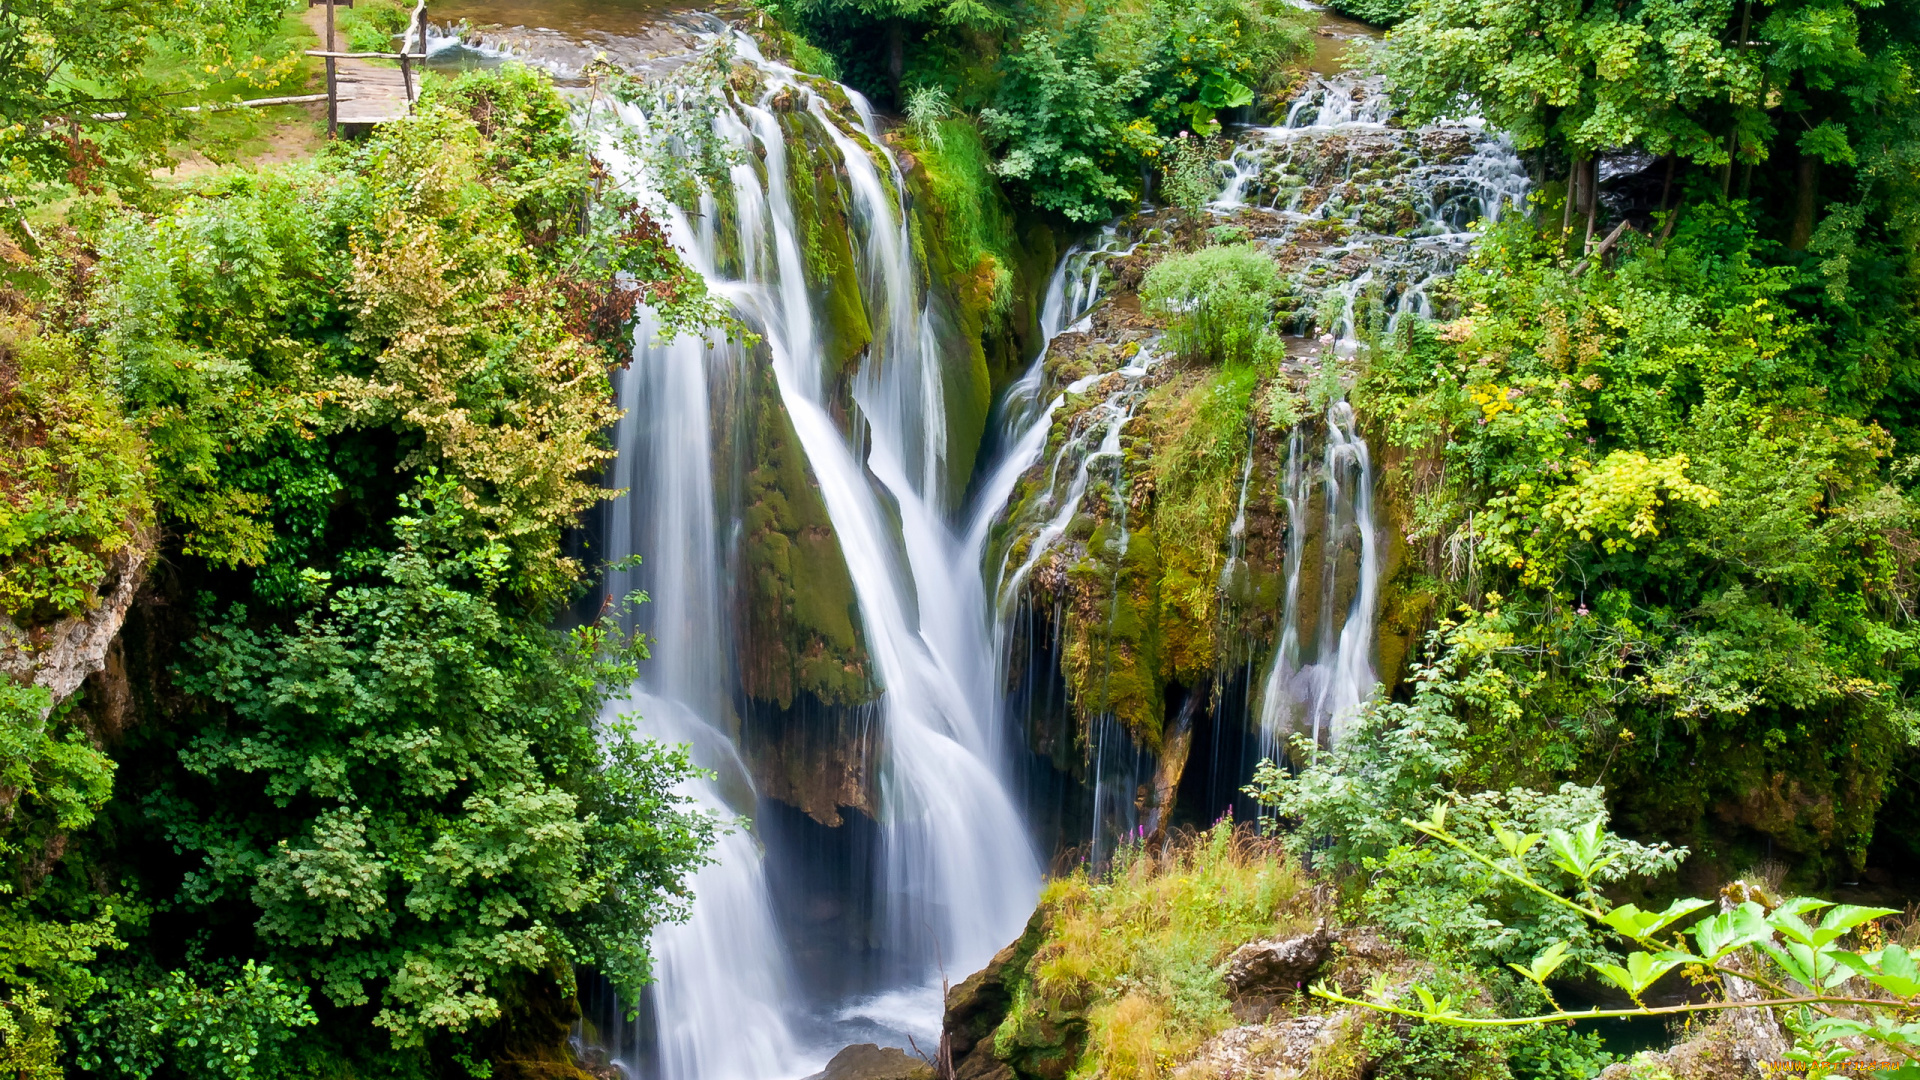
76	478
1672	521
1423	1051
1791	950
1190	174
66	68
373	25
1219	303
1089	98
1135	951
977	225
416	759
235	1032
927	106
1447	904
361	396
52	782
1349	801
1377	12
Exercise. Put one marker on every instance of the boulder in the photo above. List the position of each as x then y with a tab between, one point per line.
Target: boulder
866	1061
1277	964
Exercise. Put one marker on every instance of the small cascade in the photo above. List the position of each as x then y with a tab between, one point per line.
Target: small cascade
1344	188
1317	693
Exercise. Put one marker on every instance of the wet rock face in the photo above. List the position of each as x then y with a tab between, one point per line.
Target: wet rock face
1277	964
867	1061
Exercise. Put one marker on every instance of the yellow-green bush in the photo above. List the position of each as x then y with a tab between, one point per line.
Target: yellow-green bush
73	477
1137	951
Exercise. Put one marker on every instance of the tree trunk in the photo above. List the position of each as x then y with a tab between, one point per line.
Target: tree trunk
1577	183
1592	206
1806	200
896	53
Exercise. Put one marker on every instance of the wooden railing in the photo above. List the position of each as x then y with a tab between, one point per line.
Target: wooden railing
416	32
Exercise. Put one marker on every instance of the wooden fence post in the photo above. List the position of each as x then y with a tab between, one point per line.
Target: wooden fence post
333	92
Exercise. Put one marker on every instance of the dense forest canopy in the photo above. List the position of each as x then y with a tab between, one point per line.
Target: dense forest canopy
335	793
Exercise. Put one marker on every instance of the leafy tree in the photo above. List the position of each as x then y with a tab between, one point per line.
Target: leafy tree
91	96
360	397
403	792
1800	84
1090	96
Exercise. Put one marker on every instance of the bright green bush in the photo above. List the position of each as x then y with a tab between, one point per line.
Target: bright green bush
406	787
1089	95
235	1032
76	477
1219	302
1687	531
373	25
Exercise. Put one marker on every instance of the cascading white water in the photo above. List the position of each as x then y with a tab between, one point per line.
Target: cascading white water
958	875
721	1005
1318	697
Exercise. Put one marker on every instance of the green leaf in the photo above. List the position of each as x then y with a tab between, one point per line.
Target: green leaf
1442	1007
1629	920
1730	930
1845	917
1897	974
1516	845
1796	960
1548	961
1578	853
1642	970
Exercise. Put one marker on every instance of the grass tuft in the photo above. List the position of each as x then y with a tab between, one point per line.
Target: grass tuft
1138	950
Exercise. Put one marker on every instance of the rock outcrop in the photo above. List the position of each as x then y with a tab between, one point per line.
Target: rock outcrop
60	656
1278	1050
868	1061
1277	965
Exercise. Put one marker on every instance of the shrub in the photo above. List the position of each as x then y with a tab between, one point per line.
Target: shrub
1219	302
73	473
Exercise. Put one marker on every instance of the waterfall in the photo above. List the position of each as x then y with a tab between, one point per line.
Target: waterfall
720	1008
1318	696
957	873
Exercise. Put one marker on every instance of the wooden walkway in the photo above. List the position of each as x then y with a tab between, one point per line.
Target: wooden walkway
360	92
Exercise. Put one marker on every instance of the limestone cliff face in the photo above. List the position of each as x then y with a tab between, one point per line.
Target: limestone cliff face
60	656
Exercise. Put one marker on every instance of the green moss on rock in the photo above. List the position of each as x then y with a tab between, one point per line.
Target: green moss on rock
799	619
